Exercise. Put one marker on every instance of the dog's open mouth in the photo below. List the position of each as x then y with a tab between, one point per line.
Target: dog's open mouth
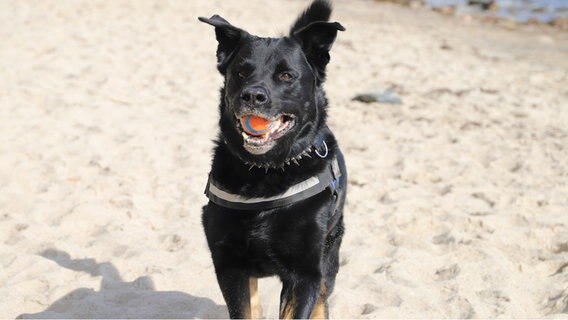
260	134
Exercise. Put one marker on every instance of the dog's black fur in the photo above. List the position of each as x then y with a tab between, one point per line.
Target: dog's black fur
300	242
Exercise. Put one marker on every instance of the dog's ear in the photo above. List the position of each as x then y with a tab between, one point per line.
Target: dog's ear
316	35
316	40
228	37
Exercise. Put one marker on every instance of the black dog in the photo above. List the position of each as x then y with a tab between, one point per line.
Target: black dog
276	198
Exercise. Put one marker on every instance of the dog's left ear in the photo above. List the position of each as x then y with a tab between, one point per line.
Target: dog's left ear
228	37
316	40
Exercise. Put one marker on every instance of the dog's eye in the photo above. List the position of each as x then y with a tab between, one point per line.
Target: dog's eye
241	74
285	76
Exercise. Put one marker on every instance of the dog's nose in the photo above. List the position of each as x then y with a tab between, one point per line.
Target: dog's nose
254	96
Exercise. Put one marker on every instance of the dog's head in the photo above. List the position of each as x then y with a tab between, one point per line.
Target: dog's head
278	79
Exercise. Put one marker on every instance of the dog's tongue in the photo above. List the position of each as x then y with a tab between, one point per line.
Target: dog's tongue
255	125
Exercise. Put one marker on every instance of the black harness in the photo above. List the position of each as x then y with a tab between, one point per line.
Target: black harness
328	179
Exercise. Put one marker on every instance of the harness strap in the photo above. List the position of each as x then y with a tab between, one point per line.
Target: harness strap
310	187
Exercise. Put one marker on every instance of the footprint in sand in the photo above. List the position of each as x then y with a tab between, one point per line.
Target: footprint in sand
447	272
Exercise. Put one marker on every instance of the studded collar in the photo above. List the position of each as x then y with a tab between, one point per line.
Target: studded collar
318	148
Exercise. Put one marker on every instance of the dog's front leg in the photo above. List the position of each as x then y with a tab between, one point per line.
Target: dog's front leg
240	293
299	297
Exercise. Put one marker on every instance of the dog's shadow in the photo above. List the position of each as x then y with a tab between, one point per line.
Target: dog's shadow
119	299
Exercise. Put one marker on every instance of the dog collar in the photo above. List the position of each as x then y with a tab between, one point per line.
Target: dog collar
327	179
319	147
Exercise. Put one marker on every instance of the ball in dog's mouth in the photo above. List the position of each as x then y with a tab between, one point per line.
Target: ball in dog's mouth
260	133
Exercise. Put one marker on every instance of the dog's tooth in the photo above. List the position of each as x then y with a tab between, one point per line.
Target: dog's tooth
275	125
299	157
295	161
288	162
282	167
251	166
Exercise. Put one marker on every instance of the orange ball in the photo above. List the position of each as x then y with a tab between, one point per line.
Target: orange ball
254	125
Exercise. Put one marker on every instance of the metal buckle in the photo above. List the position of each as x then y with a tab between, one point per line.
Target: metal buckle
326	151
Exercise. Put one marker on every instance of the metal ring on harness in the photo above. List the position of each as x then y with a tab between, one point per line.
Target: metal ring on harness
326	151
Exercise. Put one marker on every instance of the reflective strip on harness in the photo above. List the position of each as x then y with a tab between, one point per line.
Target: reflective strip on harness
300	191
297	188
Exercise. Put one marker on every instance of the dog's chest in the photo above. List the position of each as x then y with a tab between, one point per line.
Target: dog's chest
259	250
272	242
267	242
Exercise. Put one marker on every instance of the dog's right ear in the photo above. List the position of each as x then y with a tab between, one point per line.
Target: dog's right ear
316	35
228	37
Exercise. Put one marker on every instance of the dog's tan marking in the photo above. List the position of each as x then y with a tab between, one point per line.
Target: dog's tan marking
319	311
255	307
288	311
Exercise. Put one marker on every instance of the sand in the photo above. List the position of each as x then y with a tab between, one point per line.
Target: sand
458	200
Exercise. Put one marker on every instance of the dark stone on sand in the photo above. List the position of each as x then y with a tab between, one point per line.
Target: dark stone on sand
386	96
485	4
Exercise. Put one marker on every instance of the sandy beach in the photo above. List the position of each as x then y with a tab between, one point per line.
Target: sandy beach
458	197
